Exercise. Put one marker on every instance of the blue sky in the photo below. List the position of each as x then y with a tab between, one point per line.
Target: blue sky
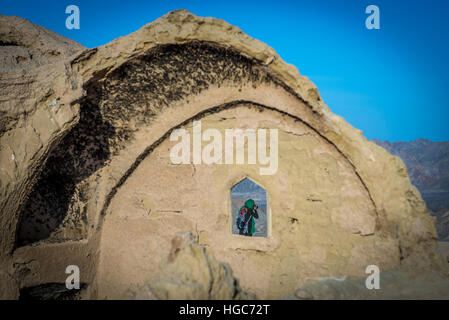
390	83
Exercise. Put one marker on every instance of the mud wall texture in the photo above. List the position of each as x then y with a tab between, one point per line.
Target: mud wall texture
85	176
322	219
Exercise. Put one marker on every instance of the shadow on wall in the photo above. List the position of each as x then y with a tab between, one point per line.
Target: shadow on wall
56	207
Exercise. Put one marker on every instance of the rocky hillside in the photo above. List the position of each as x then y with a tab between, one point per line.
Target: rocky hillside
428	167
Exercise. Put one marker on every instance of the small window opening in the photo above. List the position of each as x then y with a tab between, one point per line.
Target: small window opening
249	209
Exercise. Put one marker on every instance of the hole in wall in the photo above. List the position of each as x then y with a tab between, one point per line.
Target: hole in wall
51	291
6	43
249	209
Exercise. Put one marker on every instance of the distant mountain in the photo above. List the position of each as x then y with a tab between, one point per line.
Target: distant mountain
428	166
443	226
249	189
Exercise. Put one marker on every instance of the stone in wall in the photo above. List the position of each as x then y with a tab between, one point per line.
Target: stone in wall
190	272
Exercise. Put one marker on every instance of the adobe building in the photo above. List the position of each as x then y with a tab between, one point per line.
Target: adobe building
87	176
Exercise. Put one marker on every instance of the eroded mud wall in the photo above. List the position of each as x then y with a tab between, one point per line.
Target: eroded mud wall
322	221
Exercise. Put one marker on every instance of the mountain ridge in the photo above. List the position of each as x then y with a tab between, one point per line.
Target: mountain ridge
428	167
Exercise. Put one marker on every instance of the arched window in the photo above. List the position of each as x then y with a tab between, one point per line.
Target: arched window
249	209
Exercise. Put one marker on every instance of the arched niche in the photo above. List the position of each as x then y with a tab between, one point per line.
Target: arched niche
309	196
